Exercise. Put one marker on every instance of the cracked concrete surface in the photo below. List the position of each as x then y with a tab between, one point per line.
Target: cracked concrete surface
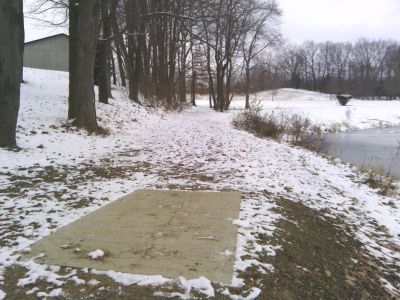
169	233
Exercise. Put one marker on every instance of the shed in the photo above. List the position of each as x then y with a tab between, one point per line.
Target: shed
49	53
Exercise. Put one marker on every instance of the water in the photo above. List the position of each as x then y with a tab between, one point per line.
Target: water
371	147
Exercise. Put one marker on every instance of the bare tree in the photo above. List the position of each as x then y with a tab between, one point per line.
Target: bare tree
260	34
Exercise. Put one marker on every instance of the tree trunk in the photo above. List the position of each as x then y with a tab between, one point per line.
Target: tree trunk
104	51
228	87
210	79
103	72
121	66
182	73
83	32
133	61
193	90
247	84
119	42
11	60
113	73
220	101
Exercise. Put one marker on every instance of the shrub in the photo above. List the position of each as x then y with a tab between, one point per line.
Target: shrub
270	126
294	129
252	121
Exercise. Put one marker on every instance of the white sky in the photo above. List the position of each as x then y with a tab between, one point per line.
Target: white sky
319	20
35	30
340	20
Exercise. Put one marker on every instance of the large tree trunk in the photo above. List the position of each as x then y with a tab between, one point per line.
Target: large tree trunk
83	32
103	72
113	72
119	41
11	60
121	68
103	53
133	59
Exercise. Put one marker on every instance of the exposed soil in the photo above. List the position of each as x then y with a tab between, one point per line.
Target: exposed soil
319	259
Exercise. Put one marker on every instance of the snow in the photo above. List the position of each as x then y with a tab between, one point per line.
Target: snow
96	254
323	109
134	279
73	174
77	280
93	282
53	294
253	293
201	285
56	293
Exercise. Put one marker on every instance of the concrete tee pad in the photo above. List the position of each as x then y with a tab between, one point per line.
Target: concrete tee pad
167	233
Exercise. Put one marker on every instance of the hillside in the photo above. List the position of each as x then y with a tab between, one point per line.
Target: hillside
323	109
308	227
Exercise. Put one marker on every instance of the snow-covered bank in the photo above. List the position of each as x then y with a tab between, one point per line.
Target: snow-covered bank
324	110
42	189
44	133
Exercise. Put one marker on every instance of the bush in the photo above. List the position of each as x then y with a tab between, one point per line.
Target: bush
294	129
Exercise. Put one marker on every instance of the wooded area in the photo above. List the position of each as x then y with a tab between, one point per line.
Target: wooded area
160	46
367	69
163	51
153	47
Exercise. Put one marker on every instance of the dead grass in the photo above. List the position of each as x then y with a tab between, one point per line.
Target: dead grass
319	259
379	179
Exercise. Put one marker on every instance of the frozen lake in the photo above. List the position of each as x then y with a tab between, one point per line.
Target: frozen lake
370	147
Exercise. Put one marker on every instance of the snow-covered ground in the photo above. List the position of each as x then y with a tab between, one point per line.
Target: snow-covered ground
323	109
60	174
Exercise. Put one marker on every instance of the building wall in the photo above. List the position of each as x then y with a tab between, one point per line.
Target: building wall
51	53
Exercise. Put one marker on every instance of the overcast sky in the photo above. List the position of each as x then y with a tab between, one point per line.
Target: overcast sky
319	20
340	20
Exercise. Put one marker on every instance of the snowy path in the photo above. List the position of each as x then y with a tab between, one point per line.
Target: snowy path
194	150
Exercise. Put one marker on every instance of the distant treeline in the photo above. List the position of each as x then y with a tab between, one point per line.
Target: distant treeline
367	69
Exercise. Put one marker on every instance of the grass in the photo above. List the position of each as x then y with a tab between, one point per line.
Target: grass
379	179
320	258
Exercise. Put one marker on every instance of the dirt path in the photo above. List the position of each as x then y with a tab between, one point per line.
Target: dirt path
306	229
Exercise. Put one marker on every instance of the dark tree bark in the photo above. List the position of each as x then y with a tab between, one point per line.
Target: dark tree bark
119	41
103	50
11	60
193	90
83	33
103	72
133	56
120	65
247	87
210	79
113	73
